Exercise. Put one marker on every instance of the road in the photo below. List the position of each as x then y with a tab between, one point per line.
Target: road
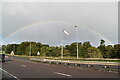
23	68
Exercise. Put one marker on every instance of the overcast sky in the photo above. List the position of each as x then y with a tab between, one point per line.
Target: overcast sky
44	22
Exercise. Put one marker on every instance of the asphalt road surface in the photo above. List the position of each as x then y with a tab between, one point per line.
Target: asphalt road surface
23	68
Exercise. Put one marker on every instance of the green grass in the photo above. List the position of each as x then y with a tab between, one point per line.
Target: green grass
67	58
0	52
19	55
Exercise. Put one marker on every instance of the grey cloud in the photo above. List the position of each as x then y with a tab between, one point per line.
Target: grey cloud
101	17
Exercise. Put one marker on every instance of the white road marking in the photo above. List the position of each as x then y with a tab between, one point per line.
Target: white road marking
116	72
62	74
46	64
9	74
23	65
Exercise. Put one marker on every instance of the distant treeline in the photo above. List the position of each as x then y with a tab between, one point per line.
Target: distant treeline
85	50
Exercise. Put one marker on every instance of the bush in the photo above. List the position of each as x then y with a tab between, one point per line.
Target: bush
93	52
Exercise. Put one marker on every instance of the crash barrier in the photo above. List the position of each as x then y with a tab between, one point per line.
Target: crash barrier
97	64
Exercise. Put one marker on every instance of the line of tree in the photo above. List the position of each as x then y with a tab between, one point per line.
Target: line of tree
86	50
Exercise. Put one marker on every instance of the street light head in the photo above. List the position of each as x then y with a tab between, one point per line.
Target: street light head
75	26
66	32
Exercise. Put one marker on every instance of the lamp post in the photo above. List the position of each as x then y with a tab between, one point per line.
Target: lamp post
64	31
77	41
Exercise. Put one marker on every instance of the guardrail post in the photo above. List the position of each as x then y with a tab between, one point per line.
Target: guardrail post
88	65
106	67
75	64
65	63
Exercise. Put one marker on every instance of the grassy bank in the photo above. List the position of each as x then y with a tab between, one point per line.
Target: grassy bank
69	58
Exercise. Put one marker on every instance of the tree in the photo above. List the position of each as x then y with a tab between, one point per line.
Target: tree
39	45
49	52
108	51
11	47
44	51
102	48
22	48
46	45
82	51
93	52
116	51
87	44
102	42
3	47
83	48
72	48
56	52
66	52
34	49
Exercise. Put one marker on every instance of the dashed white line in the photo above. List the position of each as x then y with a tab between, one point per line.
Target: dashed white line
62	74
116	72
23	65
46	64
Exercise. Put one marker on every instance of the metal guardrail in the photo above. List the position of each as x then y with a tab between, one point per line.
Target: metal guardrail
80	63
113	59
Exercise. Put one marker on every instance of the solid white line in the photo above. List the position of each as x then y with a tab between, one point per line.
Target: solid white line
62	74
9	74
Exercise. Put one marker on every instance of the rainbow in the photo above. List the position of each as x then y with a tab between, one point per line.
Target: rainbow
59	21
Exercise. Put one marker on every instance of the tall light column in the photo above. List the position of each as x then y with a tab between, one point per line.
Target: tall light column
77	41
64	31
